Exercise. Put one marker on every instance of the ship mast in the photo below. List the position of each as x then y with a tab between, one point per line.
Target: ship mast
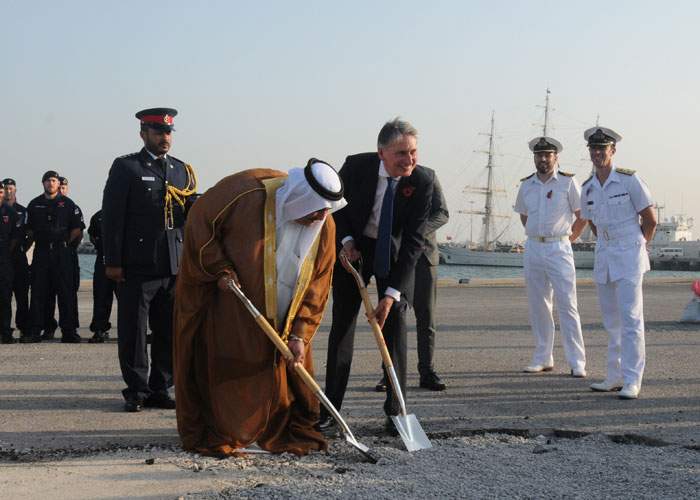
488	205
488	191
546	113
545	125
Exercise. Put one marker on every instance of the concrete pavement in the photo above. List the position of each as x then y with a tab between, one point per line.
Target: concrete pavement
62	397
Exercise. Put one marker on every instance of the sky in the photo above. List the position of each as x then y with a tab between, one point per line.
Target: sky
271	84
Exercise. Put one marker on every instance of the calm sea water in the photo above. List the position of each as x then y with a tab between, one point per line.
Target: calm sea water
87	263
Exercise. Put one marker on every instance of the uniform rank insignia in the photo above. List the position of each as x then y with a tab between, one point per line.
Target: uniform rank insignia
625	171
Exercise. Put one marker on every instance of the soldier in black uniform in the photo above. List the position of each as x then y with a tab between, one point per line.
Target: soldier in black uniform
10	227
54	223
143	216
20	266
51	324
102	288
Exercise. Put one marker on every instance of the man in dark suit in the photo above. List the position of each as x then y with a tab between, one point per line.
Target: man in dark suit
383	223
143	216
103	289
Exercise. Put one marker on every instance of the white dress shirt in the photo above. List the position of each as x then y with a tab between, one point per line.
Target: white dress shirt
372	227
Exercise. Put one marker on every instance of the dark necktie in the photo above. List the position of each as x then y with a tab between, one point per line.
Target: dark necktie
382	250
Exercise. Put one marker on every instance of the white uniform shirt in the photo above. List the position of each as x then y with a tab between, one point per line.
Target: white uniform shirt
614	209
549	206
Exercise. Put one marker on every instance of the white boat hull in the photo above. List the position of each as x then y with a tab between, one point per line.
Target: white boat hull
465	257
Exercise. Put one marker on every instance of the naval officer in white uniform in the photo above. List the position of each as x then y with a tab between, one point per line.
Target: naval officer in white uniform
619	207
549	204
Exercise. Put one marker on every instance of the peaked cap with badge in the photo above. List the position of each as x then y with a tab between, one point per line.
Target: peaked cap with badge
157	118
601	136
545	144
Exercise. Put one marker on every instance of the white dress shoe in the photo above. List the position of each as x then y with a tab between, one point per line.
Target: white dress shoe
537	368
629	391
578	372
607	386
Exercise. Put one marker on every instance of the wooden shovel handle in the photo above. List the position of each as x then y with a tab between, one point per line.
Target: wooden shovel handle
369	309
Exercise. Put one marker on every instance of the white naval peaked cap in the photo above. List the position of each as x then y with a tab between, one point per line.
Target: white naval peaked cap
544	143
601	136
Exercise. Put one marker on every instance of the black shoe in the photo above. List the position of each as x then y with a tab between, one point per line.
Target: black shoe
381	385
432	382
390	428
70	338
133	405
99	338
159	400
48	335
29	339
327	426
7	339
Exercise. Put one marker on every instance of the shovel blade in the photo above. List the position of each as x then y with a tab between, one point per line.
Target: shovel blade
361	448
411	432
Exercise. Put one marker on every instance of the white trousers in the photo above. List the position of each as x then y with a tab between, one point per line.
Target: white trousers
549	271
622	307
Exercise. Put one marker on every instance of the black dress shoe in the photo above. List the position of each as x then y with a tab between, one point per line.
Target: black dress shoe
159	400
432	382
133	405
390	428
70	338
29	339
99	338
48	335
327	426
381	385
8	339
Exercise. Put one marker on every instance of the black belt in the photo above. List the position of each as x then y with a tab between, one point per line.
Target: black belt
51	245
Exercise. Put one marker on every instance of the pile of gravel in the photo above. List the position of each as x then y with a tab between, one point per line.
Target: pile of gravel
492	465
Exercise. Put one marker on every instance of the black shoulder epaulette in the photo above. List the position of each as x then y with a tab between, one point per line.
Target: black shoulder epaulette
625	171
127	155
176	159
587	181
566	174
526	178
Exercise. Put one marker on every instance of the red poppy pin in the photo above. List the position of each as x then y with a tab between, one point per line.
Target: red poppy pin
61	204
5	219
407	191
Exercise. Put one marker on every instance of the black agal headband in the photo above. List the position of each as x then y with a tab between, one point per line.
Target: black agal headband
316	186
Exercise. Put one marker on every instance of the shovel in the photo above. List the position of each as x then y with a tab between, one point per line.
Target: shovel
301	371
409	428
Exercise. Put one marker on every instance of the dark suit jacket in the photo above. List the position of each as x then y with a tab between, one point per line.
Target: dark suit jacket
438	217
134	235
360	174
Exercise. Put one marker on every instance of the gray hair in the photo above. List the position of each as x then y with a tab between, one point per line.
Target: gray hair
393	131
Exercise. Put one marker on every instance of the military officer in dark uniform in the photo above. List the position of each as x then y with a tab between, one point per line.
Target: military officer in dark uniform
103	289
54	223
143	216
10	227
20	266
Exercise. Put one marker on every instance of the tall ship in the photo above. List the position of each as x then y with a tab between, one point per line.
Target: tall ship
490	251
